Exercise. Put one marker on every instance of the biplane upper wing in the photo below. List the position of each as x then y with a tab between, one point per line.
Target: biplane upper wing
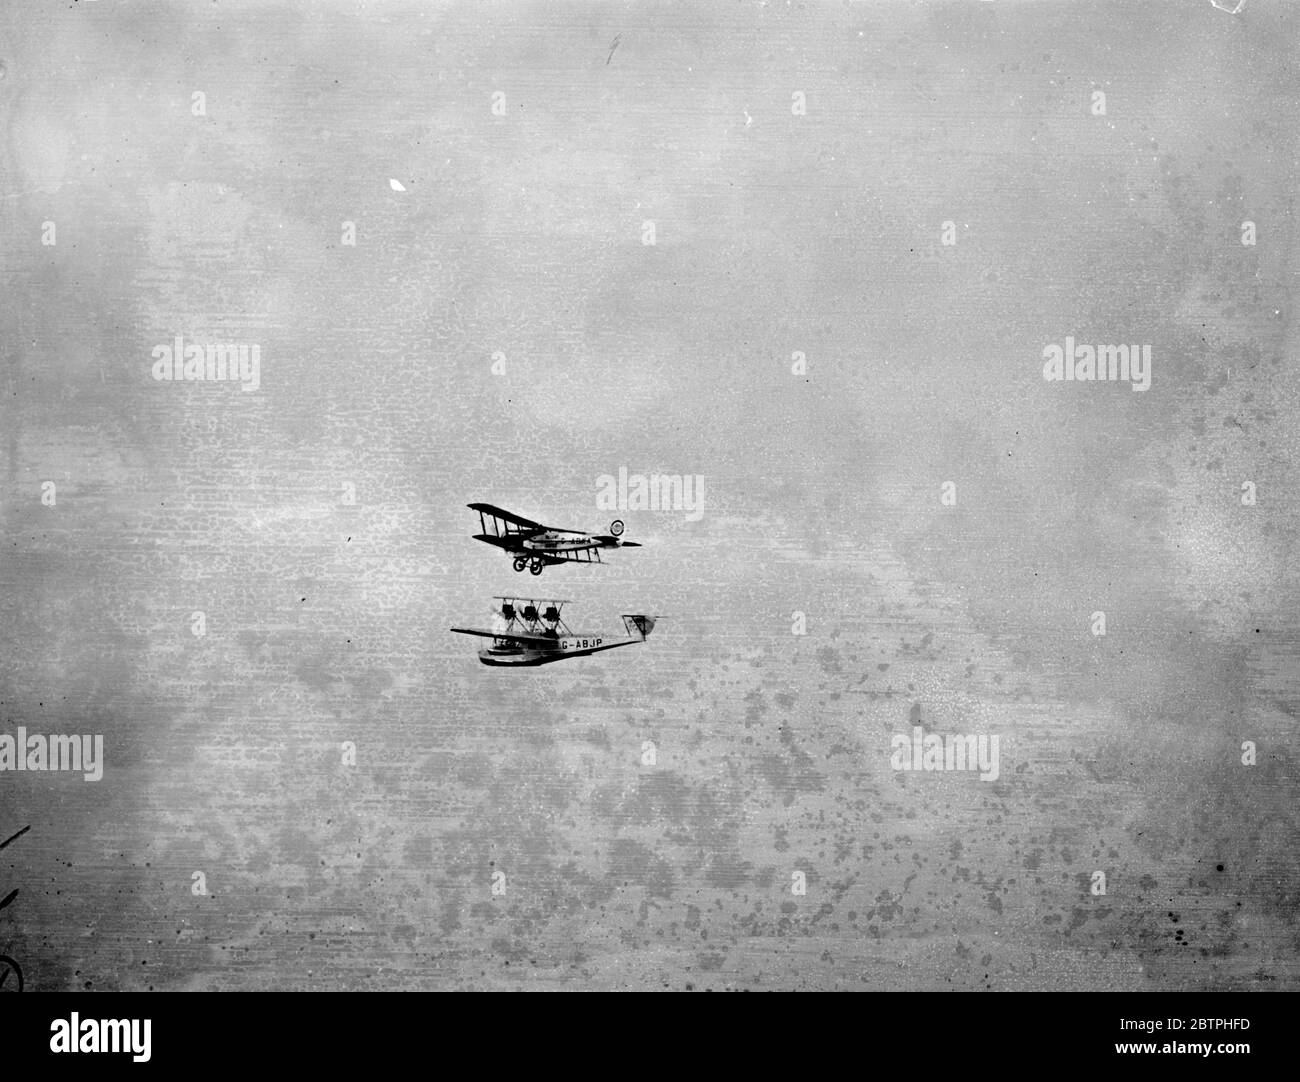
523	525
506	516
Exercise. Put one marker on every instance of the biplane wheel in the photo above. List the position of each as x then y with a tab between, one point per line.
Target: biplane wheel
520	563
616	527
536	567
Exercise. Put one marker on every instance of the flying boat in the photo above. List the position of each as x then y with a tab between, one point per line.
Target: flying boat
528	631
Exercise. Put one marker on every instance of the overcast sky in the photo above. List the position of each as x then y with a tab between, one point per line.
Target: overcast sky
501	330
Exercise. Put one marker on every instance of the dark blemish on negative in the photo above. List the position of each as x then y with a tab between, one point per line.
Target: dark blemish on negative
15	837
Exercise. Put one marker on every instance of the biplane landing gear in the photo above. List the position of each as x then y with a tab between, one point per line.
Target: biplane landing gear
536	566
520	563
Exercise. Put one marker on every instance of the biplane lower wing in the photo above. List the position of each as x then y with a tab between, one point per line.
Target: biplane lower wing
588	555
509	542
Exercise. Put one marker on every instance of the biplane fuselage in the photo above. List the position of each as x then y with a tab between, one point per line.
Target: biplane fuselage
535	547
527	635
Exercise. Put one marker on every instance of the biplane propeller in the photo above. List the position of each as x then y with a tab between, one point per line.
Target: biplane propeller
535	546
529	631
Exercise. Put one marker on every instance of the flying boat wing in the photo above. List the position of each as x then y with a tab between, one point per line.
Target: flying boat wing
506	636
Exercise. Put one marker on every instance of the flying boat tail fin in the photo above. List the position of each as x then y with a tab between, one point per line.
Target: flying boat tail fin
640	626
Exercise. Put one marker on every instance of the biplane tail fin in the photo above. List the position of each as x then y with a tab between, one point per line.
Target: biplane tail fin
639	625
614	539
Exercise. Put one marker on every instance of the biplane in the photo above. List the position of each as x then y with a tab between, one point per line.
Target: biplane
526	633
534	546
